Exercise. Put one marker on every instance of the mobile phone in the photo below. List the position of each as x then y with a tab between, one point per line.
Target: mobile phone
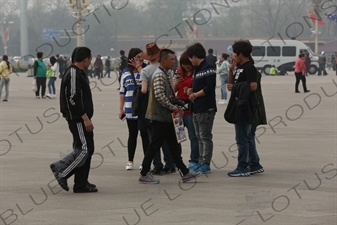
123	117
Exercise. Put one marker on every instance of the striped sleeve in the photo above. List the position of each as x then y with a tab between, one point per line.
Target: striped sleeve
159	85
75	95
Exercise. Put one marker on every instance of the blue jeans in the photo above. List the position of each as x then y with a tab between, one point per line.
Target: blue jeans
243	141
224	79
188	122
203	124
169	163
51	86
254	159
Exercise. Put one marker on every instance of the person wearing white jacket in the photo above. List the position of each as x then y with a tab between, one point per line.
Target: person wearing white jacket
55	67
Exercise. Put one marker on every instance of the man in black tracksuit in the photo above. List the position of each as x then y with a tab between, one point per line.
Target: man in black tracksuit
77	108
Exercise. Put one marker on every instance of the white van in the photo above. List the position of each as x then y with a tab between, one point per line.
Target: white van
282	54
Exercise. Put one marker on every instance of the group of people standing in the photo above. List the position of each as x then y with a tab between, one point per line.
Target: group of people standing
162	92
40	75
194	83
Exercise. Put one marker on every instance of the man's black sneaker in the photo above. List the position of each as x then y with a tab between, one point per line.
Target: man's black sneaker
157	171
62	181
91	185
86	189
167	170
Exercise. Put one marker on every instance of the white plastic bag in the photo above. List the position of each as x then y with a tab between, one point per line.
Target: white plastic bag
34	86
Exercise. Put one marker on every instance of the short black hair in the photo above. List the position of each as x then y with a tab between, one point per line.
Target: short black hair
210	51
39	55
80	53
164	53
122	52
301	55
196	50
242	46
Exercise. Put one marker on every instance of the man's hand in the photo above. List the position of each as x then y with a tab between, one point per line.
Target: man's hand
88	125
189	91
232	65
178	110
229	87
192	97
121	113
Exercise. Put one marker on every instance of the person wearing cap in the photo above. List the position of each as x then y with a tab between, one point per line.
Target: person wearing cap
152	55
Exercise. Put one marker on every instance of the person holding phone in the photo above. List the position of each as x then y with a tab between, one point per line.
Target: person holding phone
131	73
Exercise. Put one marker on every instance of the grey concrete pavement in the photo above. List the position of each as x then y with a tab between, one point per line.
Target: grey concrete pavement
298	150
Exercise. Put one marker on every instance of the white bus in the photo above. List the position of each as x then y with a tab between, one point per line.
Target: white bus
282	54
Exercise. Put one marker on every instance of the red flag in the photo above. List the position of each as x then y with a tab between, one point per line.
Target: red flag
314	18
5	37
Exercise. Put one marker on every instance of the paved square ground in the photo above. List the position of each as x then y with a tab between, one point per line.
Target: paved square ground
297	149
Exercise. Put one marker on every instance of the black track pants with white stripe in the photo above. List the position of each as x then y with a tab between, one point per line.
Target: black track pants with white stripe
78	161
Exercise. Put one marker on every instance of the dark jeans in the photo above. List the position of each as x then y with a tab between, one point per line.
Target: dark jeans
300	77
254	159
79	160
107	73
321	69
188	122
51	85
132	140
163	131
242	137
41	83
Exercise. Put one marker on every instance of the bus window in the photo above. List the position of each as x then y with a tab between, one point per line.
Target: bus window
273	51
289	51
258	51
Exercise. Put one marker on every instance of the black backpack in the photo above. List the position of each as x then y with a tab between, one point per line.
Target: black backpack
136	97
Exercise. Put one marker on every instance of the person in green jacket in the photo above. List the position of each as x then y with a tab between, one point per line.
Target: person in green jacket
273	70
40	71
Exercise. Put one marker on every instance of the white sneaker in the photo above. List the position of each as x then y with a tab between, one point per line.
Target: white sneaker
225	101
48	95
53	96
129	166
221	102
140	167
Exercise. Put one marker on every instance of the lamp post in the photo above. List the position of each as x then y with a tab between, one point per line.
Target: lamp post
5	33
77	7
316	4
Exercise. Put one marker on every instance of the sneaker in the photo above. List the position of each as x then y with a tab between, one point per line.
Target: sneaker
44	97
192	166
61	180
239	173
157	171
37	97
148	179
140	167
204	169
257	169
221	102
225	101
197	166
48	95
167	170
129	166
5	100
190	176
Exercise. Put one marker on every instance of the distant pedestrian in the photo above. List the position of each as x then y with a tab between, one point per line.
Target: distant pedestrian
77	108
54	66
5	71
210	58
300	72
122	65
98	67
40	72
222	69
107	67
307	62
322	64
